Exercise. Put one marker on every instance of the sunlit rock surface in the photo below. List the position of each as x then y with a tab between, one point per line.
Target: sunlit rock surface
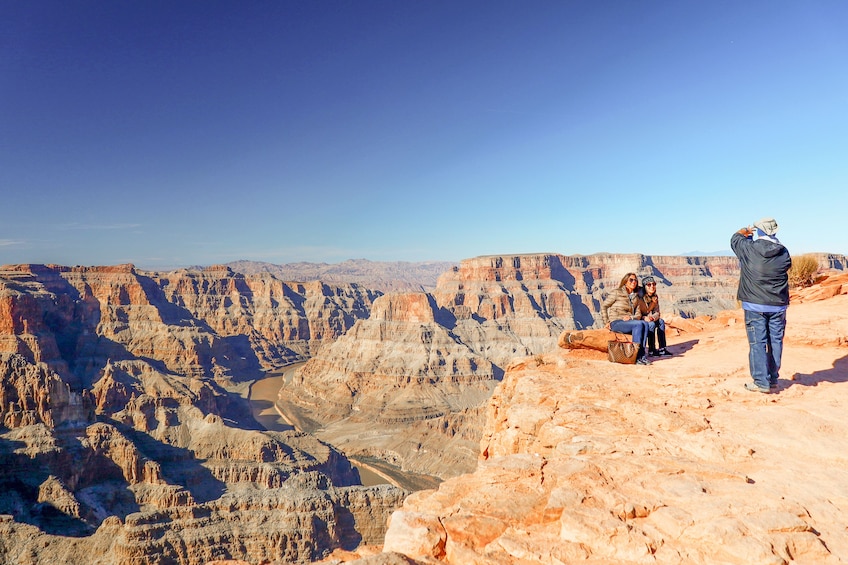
125	433
412	379
583	460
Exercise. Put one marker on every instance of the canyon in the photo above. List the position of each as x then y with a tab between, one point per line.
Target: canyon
586	461
126	433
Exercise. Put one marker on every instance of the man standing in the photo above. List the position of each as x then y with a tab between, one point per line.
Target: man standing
764	293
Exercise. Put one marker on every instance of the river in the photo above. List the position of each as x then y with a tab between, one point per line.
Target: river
263	402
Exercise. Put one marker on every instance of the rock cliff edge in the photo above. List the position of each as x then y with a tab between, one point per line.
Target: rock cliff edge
583	460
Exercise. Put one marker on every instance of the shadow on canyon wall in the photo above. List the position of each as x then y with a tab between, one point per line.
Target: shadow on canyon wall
71	468
179	466
583	316
73	319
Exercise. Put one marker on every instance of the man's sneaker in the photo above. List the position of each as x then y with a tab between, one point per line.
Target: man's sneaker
642	361
754	388
653	353
663	352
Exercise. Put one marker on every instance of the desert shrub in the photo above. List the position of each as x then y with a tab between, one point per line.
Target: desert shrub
803	271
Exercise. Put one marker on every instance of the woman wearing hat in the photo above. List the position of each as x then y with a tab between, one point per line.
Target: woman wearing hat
650	308
621	313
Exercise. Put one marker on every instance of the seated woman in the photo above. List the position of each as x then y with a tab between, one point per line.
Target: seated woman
621	313
650	308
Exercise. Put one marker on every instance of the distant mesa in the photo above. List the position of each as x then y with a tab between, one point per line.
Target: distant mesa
385	276
724	253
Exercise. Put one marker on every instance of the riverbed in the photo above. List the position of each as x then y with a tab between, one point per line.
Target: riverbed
263	396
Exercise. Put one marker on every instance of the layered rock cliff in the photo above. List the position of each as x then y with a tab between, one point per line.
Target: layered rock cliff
125	435
582	460
281	321
124	421
413	377
572	287
399	386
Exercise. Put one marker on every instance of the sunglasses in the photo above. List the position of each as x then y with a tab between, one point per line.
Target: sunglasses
632	280
650	284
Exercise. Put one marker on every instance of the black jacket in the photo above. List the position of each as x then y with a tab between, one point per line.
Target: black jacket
765	264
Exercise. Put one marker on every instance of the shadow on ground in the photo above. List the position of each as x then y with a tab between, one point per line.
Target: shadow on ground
681	348
837	374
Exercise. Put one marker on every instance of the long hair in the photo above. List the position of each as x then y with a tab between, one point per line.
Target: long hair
623	282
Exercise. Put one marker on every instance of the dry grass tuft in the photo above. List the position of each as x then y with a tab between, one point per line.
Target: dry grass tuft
803	271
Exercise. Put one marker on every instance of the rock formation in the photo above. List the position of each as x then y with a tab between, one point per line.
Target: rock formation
293	524
125	436
384	276
583	460
399	387
428	360
571	288
281	322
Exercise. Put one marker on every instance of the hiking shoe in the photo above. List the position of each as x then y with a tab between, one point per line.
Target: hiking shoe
754	388
663	353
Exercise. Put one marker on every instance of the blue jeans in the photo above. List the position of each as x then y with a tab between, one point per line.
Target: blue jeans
638	328
765	339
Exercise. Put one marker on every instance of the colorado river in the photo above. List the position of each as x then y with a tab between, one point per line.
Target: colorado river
263	402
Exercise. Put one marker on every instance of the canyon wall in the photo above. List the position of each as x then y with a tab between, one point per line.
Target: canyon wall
400	387
572	287
125	429
586	461
413	378
384	276
125	432
282	322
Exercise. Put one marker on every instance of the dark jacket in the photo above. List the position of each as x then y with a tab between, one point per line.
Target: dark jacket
649	306
764	265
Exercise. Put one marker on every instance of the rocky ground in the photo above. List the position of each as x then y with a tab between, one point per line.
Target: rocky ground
587	461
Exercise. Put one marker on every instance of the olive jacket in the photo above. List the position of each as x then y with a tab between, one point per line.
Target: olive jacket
618	305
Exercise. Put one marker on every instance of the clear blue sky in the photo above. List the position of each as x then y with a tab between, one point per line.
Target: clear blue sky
179	133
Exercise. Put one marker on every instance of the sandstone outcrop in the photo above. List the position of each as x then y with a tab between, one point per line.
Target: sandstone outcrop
32	394
488	310
583	460
398	387
125	434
